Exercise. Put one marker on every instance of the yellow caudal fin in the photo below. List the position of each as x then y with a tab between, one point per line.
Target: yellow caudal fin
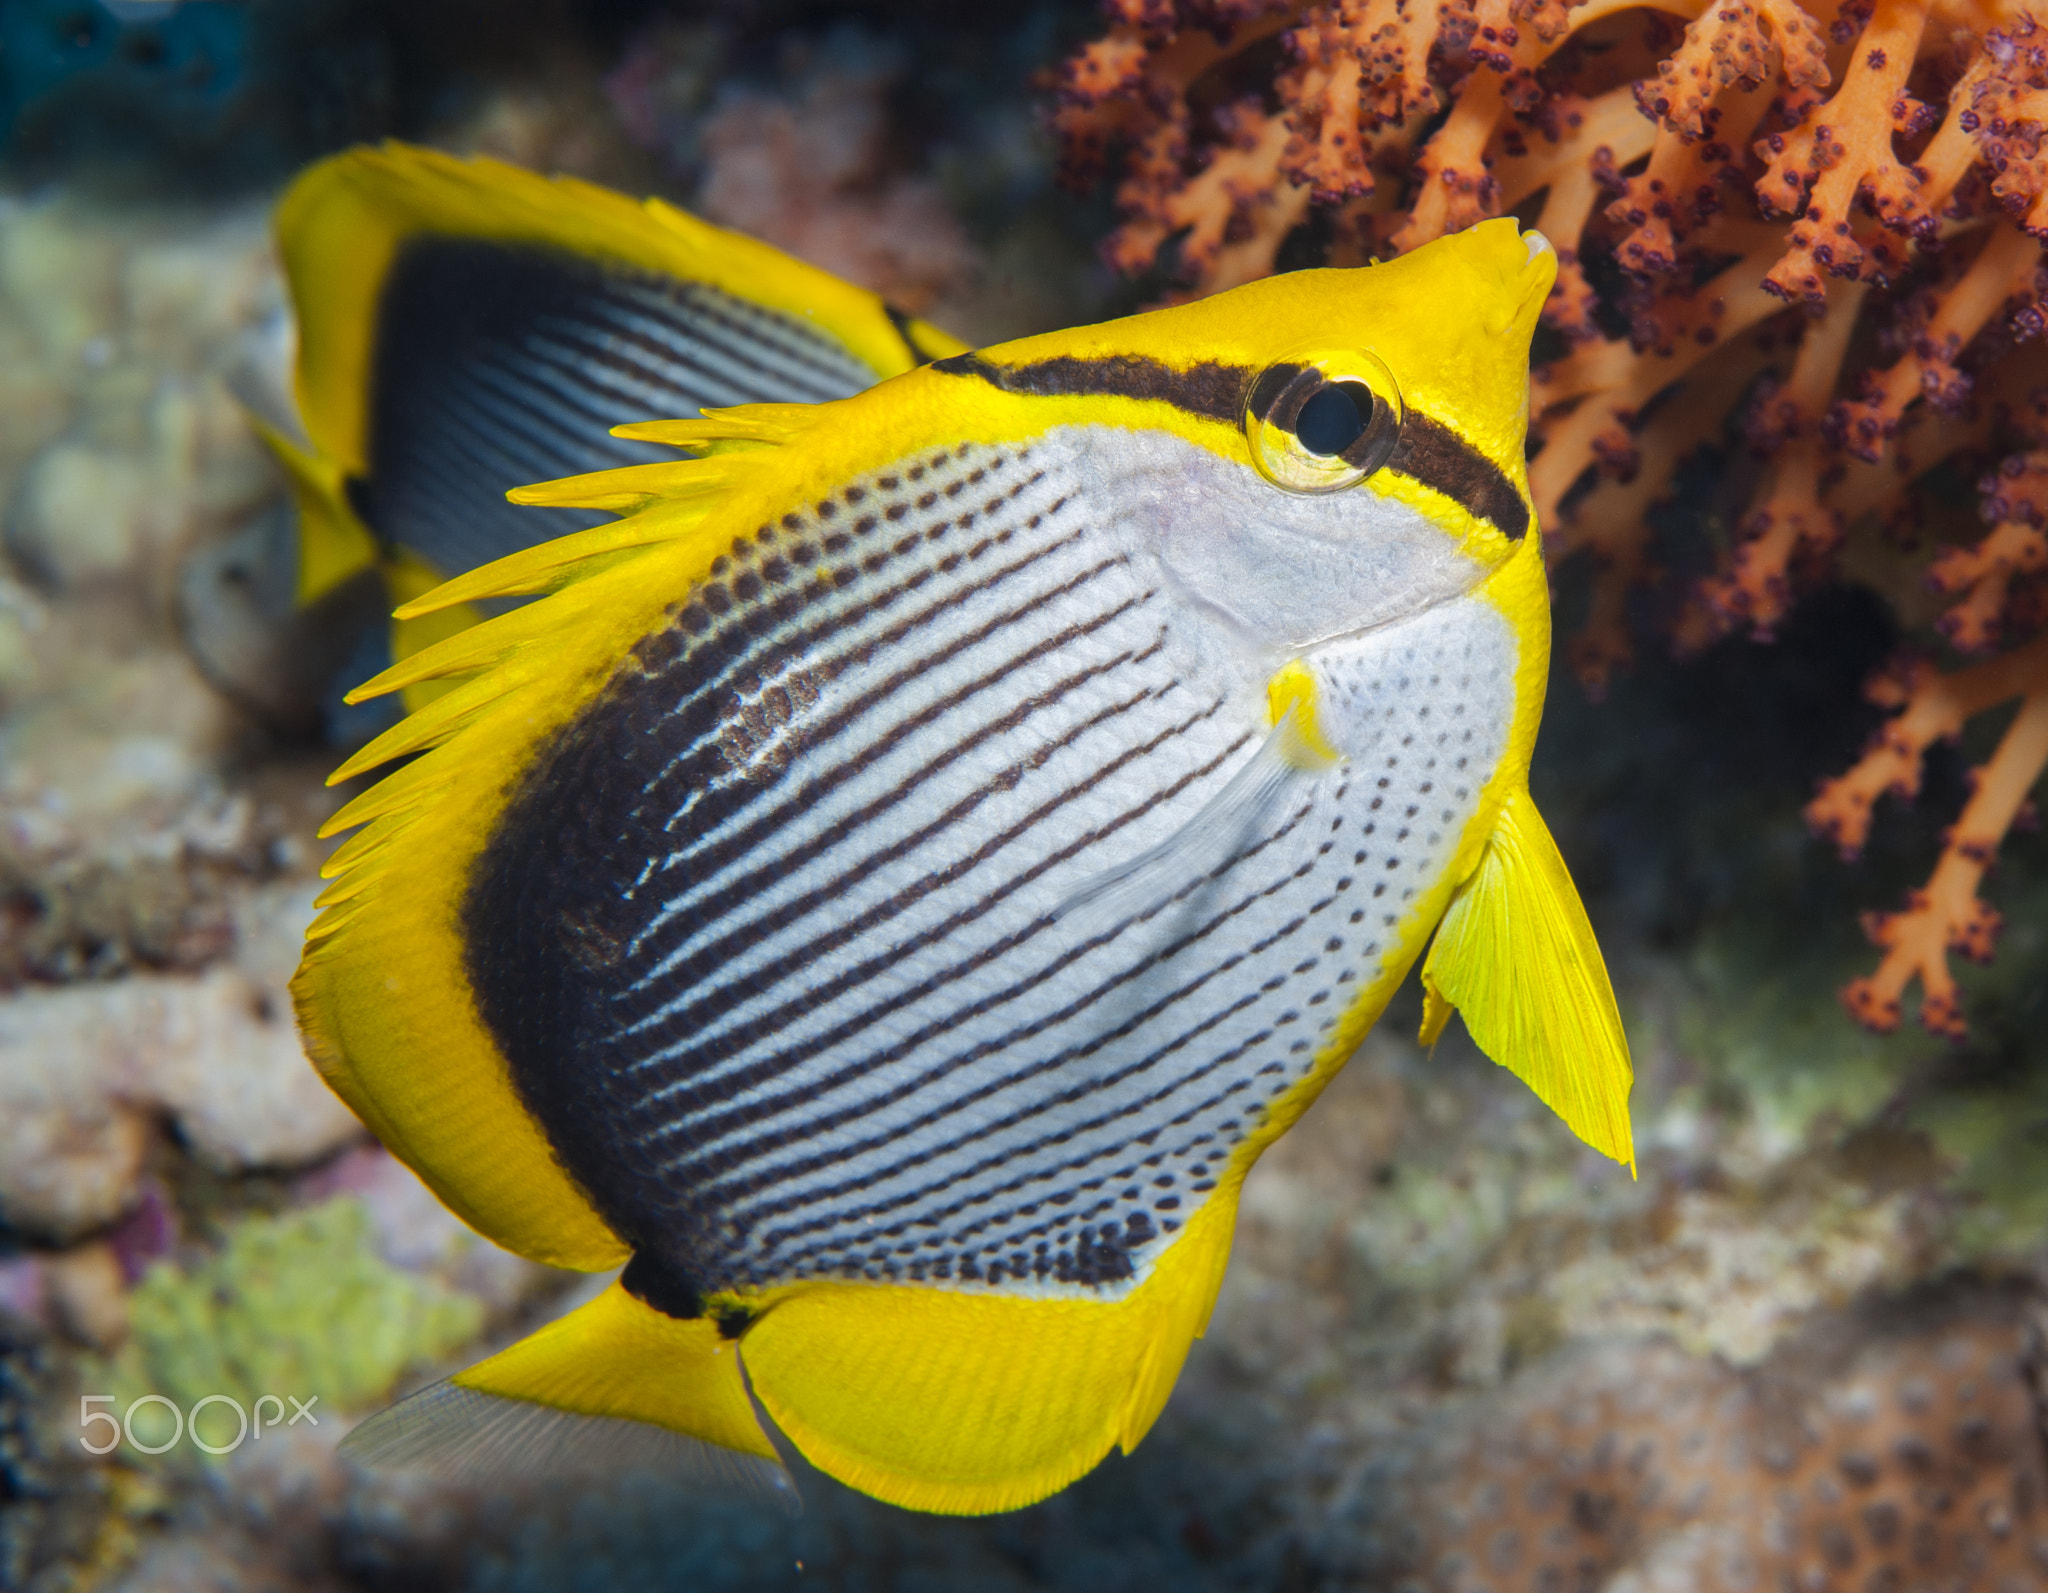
1515	955
968	1404
614	1384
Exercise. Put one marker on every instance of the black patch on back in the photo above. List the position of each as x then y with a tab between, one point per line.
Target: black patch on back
452	426
1438	457
557	920
1211	390
653	1282
549	914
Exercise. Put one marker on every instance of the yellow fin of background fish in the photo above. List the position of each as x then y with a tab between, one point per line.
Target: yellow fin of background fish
345	221
935	1392
344	227
1516	956
333	543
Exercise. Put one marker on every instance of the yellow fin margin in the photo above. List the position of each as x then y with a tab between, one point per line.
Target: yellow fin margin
382	994
1515	955
618	1356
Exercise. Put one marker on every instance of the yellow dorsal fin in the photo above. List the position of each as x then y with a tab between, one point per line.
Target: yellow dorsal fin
1515	955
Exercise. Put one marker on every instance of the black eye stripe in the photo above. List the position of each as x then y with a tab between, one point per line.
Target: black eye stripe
1428	451
1271	384
1438	457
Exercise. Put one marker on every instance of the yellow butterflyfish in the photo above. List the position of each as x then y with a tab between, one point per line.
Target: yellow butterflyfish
898	871
465	326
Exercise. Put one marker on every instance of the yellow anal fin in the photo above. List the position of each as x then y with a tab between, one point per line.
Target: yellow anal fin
1515	955
967	1404
613	1384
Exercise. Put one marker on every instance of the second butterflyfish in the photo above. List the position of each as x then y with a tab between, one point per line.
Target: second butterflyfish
890	879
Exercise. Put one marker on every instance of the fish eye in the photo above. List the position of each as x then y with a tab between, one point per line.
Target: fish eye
1332	420
1324	422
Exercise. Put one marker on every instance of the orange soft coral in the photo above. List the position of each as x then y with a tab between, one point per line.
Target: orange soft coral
1806	228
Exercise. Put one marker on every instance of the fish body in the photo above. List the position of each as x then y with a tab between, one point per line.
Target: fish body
905	868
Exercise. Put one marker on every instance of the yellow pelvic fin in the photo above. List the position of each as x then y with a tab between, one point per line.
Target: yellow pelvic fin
1515	955
613	1381
333	543
1294	688
967	1404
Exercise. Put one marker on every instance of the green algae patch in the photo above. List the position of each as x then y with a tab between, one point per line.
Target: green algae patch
300	1307
1994	1137
1768	1032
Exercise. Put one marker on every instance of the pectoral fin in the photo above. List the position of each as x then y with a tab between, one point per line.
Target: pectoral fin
1515	955
1294	749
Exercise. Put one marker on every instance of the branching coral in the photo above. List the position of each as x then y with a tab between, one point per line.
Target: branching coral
1804	233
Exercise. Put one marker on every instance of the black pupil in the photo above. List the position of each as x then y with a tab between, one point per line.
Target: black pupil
1335	418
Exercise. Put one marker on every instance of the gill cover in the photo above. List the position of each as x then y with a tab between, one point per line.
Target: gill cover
996	1377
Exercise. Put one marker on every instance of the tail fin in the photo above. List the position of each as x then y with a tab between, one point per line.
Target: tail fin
1516	956
613	1384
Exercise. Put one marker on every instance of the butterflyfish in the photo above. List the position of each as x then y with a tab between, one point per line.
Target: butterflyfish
894	874
465	326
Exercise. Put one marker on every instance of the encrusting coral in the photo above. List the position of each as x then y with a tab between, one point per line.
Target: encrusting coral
1805	234
1913	1465
299	1304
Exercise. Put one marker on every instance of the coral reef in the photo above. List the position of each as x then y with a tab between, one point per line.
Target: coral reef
297	1304
1913	1464
809	168
84	1068
1803	238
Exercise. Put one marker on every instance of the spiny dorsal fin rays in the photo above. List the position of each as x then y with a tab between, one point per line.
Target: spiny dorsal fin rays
438	720
736	426
656	503
1515	955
